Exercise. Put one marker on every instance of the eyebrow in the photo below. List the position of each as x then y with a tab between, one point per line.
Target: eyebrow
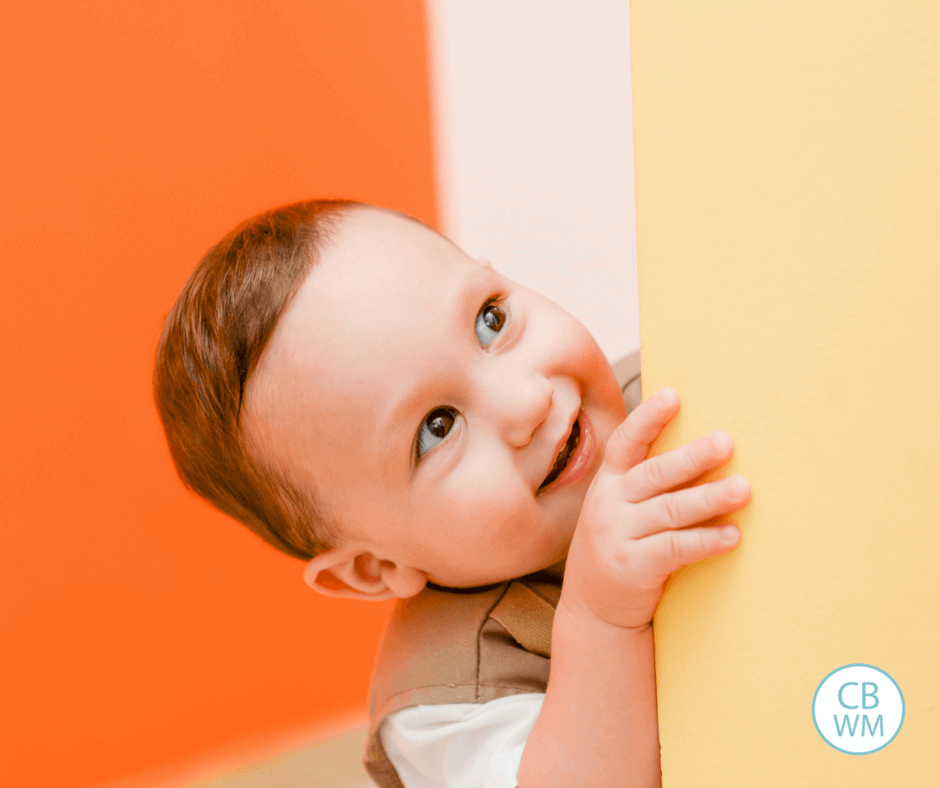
464	305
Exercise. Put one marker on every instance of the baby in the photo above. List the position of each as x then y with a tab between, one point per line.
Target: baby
365	396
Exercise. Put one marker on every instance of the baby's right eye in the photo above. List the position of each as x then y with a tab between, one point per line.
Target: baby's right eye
434	429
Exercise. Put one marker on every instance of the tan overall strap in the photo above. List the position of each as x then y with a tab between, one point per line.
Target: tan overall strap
379	766
527	617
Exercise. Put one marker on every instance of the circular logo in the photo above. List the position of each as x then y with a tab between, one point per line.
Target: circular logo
858	709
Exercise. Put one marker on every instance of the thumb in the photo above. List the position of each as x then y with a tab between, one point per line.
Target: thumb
630	442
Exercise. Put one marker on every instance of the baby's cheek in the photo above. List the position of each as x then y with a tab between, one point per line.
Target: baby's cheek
496	511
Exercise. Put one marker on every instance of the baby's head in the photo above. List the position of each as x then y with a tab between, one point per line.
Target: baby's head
362	394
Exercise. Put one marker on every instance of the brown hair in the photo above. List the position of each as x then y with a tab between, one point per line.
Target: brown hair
212	340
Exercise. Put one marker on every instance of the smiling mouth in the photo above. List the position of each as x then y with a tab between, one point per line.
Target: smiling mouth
564	455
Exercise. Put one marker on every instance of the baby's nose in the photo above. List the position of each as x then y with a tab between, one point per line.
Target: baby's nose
526	405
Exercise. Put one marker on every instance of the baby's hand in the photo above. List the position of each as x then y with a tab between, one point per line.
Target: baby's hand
633	532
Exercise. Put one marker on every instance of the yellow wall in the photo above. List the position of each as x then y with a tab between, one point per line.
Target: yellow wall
788	201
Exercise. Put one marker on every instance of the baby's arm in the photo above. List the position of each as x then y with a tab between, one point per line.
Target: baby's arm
598	725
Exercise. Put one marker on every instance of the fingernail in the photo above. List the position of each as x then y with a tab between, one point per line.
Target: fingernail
720	440
728	533
738	486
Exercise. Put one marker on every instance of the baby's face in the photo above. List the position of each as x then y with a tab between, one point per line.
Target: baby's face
450	419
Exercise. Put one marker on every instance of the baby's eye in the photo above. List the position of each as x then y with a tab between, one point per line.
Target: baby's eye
489	323
434	429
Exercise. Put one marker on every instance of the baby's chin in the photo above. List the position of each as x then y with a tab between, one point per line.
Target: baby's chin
605	424
553	565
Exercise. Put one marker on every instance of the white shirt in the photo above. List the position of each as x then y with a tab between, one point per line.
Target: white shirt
461	745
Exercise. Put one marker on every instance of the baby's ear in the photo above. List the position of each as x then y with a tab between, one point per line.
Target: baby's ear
360	575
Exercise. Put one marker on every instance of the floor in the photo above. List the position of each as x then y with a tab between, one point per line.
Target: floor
332	763
299	758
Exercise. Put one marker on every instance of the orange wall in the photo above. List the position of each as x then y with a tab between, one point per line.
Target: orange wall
141	627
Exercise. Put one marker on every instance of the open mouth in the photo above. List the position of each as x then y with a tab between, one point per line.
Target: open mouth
564	455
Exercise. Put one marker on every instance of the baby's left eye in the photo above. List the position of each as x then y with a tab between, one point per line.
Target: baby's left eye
489	323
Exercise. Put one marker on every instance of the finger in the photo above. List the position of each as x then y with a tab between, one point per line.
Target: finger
678	466
690	506
631	440
670	550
